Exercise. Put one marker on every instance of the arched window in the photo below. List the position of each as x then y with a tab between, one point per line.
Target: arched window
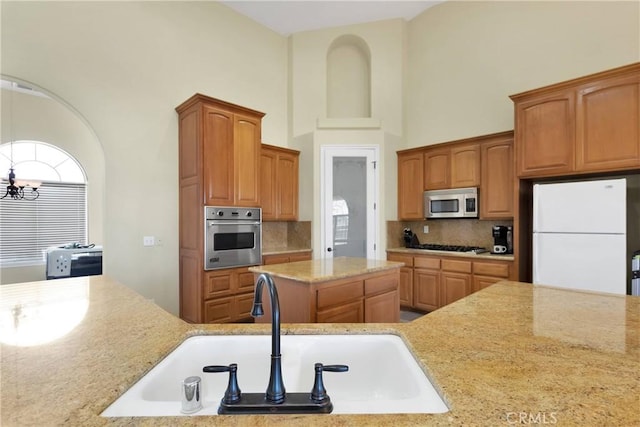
58	216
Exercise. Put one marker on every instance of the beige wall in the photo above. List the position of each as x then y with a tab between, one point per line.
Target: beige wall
125	66
466	58
28	117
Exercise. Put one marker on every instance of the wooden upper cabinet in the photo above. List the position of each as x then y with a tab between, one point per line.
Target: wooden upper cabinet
220	149
545	130
452	166
246	151
437	168
590	124
465	165
497	181
279	183
608	124
410	185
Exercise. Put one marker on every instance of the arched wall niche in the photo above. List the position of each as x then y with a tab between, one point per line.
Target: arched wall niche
348	78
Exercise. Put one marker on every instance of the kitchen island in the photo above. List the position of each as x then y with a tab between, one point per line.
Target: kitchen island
510	354
335	290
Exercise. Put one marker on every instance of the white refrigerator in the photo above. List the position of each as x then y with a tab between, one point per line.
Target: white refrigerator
579	235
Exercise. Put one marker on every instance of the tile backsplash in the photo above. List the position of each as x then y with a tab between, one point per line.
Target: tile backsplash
468	232
286	235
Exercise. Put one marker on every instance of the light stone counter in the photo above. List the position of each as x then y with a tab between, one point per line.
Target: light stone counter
510	354
322	270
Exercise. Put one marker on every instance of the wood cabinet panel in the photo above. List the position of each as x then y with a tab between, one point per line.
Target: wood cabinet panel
497	178
243	304
406	259
608	124
376	285
333	295
304	256
405	287
245	280
455	286
246	153
437	168
461	266
217	164
465	166
426	262
382	308
275	259
217	283
426	289
410	185
348	313
218	310
480	282
545	130
491	269
279	183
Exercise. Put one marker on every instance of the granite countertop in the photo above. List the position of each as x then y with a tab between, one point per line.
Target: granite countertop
485	255
322	270
513	353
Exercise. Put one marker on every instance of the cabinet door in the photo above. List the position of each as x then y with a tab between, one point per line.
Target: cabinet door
465	166
287	187
242	306
268	162
437	171
545	131
406	287
497	183
218	310
455	286
217	283
244	280
426	289
410	182
305	256
217	166
608	124
275	259
246	151
383	308
481	282
347	313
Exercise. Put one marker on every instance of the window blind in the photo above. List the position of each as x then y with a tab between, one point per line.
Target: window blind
29	227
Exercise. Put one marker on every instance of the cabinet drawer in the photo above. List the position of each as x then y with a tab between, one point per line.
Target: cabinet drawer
456	265
348	313
339	294
275	259
407	259
491	269
217	284
219	310
245	280
433	263
306	256
384	283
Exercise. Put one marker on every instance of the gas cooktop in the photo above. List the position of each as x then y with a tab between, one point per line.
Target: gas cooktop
450	248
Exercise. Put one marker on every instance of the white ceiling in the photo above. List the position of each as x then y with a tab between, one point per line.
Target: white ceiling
288	17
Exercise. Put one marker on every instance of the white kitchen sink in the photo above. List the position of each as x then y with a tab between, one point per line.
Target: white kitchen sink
383	376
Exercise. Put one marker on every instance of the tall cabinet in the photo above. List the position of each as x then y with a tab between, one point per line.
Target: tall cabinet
219	164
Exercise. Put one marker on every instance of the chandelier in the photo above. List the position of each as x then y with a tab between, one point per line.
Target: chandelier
16	189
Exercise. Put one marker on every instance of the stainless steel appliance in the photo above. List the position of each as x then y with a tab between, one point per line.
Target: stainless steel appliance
448	248
453	203
233	237
73	260
502	239
635	274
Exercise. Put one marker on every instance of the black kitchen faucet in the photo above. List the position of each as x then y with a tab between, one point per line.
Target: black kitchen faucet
276	399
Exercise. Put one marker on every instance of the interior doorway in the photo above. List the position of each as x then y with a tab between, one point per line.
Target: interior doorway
349	201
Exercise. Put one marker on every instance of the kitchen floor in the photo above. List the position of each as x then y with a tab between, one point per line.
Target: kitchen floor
408	316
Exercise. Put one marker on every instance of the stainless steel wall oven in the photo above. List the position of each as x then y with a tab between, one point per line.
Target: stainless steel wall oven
232	237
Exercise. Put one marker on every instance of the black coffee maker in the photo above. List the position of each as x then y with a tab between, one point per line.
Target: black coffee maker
502	239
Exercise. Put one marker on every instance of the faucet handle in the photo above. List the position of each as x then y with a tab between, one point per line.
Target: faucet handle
232	393
318	392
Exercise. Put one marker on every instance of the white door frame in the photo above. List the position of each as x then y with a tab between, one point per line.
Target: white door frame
372	154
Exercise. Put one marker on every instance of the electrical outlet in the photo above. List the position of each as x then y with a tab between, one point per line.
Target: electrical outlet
148	241
426	229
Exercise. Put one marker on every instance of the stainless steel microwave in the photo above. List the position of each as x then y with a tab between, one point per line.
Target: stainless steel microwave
453	203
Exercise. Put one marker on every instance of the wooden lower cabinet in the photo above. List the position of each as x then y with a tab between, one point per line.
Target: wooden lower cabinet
428	283
227	295
371	297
